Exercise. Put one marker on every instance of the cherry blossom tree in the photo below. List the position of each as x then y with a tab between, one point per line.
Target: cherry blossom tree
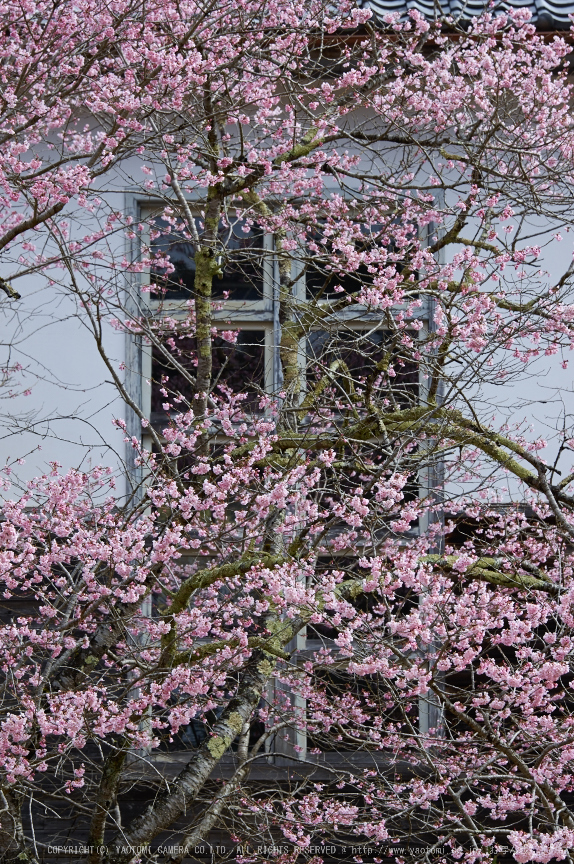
338	606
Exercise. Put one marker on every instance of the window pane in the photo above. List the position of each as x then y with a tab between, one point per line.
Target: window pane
366	697
243	271
361	352
242	261
240	366
323	282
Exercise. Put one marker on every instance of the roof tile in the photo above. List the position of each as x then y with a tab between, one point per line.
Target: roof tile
547	14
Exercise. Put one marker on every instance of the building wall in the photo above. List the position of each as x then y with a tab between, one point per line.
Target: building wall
67	417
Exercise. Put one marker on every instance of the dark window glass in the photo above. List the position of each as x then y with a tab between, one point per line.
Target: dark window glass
193	735
368	694
242	264
325	282
404	599
240	366
360	353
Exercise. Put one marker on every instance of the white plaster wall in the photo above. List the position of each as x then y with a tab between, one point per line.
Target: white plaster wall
67	418
539	398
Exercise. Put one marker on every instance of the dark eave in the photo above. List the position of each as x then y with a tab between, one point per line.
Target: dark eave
548	15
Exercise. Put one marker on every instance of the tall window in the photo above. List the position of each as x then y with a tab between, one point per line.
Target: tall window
241	264
353	350
243	356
